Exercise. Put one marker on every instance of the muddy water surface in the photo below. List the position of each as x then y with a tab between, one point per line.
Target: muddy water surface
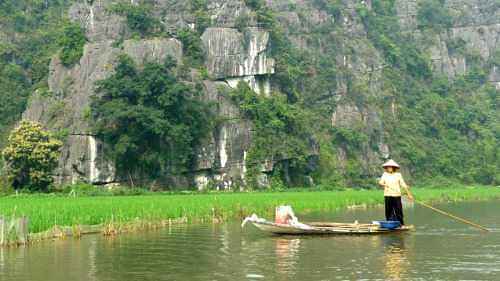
439	249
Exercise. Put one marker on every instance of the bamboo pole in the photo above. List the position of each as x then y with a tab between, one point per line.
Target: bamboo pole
453	216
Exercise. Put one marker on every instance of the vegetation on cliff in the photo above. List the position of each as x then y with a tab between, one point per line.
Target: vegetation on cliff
71	43
139	19
442	127
30	33
281	130
437	126
151	121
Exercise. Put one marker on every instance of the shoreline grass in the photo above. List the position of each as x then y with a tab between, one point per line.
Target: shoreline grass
47	210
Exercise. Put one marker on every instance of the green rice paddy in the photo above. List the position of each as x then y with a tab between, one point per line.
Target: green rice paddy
45	211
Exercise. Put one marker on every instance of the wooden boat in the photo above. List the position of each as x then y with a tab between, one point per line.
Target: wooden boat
316	228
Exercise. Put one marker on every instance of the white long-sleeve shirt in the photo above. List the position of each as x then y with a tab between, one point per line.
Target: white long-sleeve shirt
392	183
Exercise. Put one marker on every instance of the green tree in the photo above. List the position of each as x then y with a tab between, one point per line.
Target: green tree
199	9
254	4
282	131
192	46
30	157
333	7
442	128
140	18
29	37
433	14
72	42
152	122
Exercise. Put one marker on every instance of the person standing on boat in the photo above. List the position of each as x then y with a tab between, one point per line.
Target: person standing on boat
392	182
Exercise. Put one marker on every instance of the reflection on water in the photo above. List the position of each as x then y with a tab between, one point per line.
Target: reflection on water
395	257
287	250
439	250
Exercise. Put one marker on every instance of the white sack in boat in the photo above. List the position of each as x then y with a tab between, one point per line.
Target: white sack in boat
284	215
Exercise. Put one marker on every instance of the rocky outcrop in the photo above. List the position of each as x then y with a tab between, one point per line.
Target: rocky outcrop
221	163
231	53
231	56
476	23
83	156
482	40
99	24
235	55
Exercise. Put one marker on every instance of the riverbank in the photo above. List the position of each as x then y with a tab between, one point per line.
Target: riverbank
46	211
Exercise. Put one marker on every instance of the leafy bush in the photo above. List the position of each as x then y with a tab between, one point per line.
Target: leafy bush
192	46
254	4
495	58
72	42
139	18
202	18
151	121
263	14
265	17
456	46
281	130
354	138
30	156
398	49
332	7
433	14
242	21
30	34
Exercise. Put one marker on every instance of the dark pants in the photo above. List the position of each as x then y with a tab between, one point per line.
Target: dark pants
394	209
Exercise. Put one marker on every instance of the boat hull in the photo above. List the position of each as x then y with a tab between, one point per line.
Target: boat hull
327	228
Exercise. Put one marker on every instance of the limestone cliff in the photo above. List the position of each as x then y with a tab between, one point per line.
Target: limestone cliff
234	55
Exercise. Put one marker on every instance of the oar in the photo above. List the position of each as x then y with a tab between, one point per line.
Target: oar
453	216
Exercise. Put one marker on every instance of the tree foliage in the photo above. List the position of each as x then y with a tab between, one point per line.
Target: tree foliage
398	49
332	7
152	122
30	156
139	17
199	9
192	46
439	127
72	42
29	37
433	14
443	128
281	129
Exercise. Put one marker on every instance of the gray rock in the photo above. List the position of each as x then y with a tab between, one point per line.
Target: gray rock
222	160
83	156
234	56
231	53
99	23
476	22
156	49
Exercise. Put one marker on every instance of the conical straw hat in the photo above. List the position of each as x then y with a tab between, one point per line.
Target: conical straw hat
391	163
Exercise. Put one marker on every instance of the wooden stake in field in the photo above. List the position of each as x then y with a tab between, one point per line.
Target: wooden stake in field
453	216
13	231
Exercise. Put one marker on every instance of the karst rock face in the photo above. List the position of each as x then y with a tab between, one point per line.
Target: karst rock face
233	55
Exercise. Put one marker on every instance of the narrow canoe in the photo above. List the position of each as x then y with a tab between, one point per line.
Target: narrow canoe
326	228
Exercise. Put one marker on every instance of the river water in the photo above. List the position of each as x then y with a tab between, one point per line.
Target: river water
439	249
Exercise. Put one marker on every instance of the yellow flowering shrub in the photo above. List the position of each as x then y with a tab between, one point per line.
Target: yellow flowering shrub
31	155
